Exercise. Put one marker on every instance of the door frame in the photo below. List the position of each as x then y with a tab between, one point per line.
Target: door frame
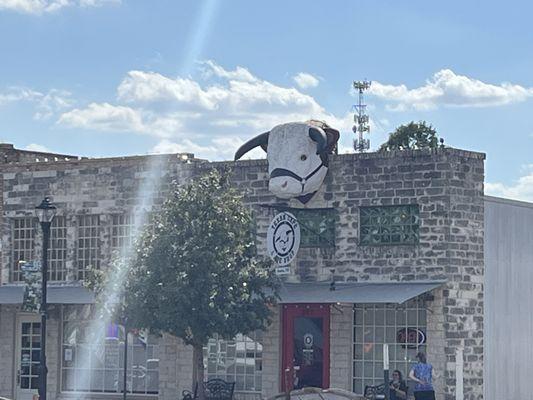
20	318
289	313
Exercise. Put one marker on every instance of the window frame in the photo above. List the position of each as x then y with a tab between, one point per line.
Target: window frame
119	369
16	273
95	260
329	215
416	306
57	265
414	211
256	338
121	233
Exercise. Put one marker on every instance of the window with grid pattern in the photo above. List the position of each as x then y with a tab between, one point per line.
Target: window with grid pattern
376	324
122	234
239	360
389	225
93	356
57	252
88	246
317	227
23	234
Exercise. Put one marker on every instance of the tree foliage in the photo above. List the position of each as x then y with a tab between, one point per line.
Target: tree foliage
414	135
195	273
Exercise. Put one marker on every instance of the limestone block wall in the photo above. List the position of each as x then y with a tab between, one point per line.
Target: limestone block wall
341	342
102	187
53	351
272	356
447	184
7	350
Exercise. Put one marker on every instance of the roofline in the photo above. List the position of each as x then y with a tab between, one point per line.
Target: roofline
511	202
36	165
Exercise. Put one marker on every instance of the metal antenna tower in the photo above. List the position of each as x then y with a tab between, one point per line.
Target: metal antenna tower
361	119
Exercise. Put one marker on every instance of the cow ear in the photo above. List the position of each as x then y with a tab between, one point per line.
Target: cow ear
333	137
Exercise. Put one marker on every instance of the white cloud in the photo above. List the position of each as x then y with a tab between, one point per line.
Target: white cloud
218	148
305	80
189	112
38	7
238	74
46	104
37	147
104	117
52	102
446	88
522	189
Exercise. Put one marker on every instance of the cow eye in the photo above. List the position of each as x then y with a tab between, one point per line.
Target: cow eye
303	157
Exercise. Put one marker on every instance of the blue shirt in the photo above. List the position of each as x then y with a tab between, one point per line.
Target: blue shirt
423	372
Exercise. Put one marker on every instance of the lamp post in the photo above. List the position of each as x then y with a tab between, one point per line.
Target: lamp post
45	212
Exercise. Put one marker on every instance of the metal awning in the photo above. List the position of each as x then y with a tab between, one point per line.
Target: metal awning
14	294
11	294
69	295
356	292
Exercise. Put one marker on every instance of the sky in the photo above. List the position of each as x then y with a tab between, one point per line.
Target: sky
121	77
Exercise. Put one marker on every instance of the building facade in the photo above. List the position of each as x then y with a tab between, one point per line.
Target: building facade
399	236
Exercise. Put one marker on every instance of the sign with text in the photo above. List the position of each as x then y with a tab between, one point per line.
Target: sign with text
283	238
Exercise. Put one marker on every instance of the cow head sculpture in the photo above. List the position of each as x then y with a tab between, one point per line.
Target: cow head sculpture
297	155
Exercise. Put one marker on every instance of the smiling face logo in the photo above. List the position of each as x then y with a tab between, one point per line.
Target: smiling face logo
283	238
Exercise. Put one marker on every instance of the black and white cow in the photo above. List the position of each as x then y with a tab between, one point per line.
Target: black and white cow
297	155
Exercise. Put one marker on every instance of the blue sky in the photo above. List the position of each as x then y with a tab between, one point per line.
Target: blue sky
118	77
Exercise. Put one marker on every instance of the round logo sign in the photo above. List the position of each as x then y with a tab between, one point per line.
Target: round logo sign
410	337
283	238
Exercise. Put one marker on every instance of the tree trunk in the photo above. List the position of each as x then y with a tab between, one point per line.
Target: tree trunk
198	357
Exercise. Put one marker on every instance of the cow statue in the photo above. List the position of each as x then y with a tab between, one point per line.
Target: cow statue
297	155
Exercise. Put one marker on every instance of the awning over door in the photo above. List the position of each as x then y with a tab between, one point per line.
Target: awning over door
14	294
357	292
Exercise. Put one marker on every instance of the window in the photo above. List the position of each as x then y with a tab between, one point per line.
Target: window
88	247
23	234
92	357
121	232
239	360
402	327
57	252
389	225
317	227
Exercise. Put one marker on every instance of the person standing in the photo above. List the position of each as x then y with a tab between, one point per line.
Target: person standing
398	387
422	374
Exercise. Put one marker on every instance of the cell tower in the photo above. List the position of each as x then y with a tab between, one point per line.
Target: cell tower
362	122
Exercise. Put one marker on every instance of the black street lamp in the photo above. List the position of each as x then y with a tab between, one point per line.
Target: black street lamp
45	212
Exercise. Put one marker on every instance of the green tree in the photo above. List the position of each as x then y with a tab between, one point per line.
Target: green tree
195	273
412	136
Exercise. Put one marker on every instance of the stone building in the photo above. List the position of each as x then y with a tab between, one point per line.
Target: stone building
399	236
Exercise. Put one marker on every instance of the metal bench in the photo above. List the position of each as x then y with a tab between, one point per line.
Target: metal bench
215	389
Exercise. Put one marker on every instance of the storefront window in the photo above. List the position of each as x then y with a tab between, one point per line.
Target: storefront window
92	357
239	360
402	327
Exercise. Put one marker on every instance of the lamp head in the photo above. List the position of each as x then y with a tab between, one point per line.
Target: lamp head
45	211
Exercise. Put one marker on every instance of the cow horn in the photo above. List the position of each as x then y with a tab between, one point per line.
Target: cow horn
259	140
320	138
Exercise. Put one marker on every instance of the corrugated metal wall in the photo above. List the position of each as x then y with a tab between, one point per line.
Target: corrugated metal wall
508	299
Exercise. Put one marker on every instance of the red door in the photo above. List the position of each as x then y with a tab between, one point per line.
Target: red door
305	347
